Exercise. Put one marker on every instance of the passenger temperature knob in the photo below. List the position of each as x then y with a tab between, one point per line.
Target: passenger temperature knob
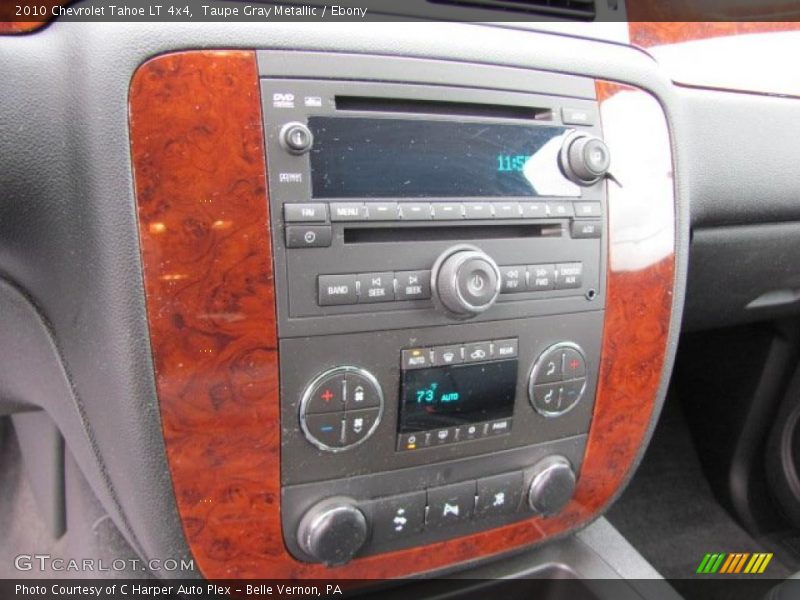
552	485
584	158
332	531
465	281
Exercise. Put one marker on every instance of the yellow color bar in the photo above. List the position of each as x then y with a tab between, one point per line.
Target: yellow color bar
764	564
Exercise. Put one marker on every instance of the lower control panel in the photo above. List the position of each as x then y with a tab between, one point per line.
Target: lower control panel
368	515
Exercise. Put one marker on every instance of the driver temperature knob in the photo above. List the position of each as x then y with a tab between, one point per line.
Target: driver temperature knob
552	485
465	281
584	158
332	531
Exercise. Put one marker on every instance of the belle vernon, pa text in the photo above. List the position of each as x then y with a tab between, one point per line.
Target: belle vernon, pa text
186	591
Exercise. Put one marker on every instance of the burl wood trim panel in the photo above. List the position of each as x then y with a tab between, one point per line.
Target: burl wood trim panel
199	170
647	34
11	24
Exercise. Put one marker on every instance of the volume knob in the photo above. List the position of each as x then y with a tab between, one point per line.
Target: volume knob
332	531
465	281
584	159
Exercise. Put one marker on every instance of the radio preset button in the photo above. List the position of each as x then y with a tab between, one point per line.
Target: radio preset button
417	358
413	285
499	494
586	229
478	210
451	503
311	236
305	212
375	287
382	211
447	211
358	424
348	211
507	210
327	396
477	352
513	279
569	276
559	209
541	277
447	355
505	348
337	289
588	209
534	210
415	211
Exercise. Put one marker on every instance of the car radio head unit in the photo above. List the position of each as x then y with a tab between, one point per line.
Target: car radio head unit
439	273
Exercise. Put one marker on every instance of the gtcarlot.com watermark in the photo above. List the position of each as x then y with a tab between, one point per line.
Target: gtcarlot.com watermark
49	563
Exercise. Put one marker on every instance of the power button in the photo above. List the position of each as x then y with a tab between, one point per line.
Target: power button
296	138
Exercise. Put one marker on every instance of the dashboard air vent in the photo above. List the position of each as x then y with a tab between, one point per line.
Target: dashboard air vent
578	10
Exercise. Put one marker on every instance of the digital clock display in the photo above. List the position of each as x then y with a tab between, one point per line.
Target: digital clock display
373	158
456	395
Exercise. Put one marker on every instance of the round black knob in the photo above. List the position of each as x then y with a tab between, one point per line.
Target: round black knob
465	281
296	138
585	159
552	485
332	531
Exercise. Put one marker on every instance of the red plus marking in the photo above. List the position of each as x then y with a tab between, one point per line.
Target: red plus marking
574	364
327	395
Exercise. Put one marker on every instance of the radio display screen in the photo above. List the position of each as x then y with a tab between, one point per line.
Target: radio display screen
372	158
440	397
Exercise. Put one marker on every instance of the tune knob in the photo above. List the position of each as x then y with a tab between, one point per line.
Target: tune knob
332	531
552	485
584	158
465	281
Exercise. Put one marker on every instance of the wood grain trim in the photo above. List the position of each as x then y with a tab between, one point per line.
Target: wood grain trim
10	24
199	170
647	34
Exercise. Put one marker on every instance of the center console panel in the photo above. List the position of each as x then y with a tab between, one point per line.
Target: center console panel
396	326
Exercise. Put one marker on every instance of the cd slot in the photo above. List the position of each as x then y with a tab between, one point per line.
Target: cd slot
441	107
378	235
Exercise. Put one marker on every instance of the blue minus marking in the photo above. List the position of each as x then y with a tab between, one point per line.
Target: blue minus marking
327	428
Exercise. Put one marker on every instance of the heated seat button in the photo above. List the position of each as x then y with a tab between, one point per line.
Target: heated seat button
337	289
326	429
375	287
499	494
359	423
571	393
327	396
397	516
451	503
549	367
